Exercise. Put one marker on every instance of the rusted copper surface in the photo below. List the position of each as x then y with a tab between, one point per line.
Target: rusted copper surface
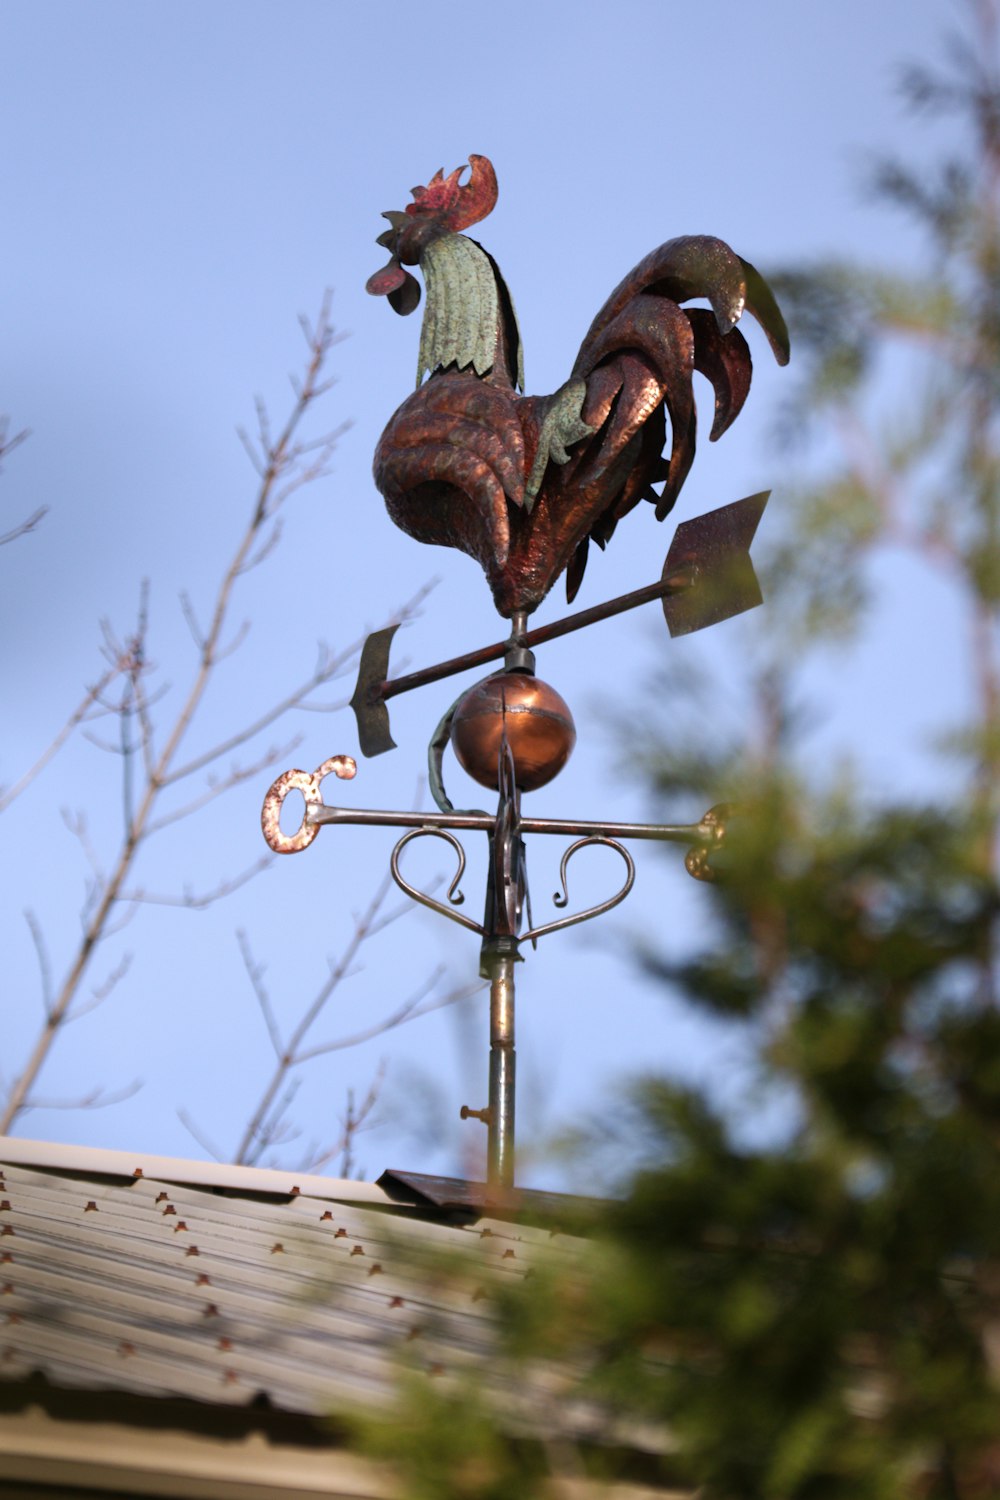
524	484
308	783
535	719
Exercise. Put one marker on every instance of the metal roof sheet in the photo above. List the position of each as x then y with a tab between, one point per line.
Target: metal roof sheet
120	1273
97	1161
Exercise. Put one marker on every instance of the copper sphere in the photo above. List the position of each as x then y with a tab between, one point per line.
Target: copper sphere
538	725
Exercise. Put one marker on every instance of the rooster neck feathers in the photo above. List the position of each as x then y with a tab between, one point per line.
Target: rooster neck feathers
469	318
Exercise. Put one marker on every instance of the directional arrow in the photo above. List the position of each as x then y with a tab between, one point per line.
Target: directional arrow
716	547
707	577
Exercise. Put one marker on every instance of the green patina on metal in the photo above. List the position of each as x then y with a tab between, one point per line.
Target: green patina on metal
462	312
562	426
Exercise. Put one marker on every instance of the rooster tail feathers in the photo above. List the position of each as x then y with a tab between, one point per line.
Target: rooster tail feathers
725	361
699	265
761	303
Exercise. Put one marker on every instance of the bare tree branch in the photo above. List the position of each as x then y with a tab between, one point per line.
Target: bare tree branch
410	1010
329	666
356	1119
280	469
92	696
203	1140
151	762
100	992
236	777
255	973
7	446
76	823
289	1054
187	610
44	964
24	527
189	900
98	1098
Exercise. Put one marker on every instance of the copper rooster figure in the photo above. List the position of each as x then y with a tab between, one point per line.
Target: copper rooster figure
522	483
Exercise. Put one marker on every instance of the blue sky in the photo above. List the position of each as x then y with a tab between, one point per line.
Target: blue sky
180	182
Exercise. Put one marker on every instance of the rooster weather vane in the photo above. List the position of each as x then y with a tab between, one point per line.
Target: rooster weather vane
524	484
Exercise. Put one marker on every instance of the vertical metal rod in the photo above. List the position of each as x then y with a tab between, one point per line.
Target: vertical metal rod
500	1142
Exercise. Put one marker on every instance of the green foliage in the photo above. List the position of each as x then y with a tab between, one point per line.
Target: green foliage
812	1320
447	1445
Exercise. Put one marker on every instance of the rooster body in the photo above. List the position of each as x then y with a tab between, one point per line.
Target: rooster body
522	483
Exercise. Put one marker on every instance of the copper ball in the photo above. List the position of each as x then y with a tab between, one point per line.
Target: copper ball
538	725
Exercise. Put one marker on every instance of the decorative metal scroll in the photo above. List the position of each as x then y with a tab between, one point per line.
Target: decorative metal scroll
561	898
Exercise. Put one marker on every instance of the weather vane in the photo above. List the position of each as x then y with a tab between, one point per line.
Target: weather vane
524	484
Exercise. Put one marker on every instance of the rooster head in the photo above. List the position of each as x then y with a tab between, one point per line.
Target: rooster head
444	206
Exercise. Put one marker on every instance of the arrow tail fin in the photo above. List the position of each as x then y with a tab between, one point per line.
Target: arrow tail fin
368	704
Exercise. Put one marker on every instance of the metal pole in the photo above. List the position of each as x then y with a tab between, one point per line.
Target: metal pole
500	1119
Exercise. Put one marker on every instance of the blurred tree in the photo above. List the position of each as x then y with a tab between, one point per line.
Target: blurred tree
818	1317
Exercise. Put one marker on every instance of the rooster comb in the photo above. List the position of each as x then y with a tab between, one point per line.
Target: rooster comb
453	204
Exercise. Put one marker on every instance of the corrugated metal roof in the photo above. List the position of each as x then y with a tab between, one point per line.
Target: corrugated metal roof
118	1274
98	1161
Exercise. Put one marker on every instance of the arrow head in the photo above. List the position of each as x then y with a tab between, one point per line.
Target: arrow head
368	703
716	548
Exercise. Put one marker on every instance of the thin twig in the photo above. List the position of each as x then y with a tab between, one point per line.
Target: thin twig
98	918
356	1119
410	1010
189	900
255	973
236	777
289	1054
101	992
203	1140
44	964
76	823
97	1099
329	666
91	697
8	444
24	527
